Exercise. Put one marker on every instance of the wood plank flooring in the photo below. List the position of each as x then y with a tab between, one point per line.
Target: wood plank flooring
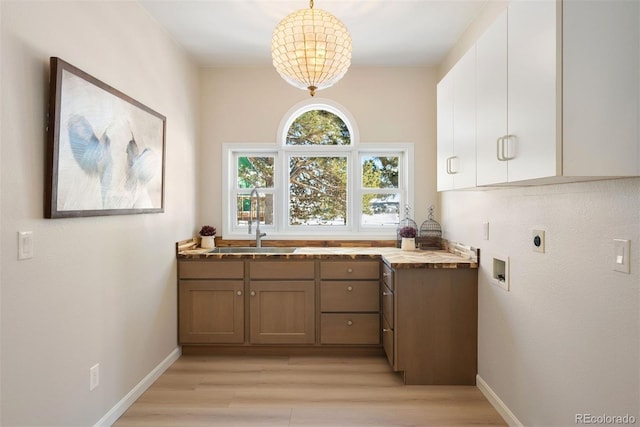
301	391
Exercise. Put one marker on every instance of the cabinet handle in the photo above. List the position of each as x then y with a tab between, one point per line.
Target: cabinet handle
450	168
385	274
505	147
253	293
349	270
499	149
386	294
349	323
239	293
349	288
386	330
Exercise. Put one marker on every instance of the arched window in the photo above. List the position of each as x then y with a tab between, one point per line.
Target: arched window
317	180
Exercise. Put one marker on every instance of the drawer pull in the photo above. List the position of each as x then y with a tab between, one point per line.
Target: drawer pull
349	270
386	294
349	288
253	293
349	322
239	293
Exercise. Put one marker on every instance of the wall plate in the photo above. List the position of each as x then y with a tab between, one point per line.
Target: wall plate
537	240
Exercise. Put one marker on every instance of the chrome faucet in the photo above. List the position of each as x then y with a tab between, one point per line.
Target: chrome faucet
259	235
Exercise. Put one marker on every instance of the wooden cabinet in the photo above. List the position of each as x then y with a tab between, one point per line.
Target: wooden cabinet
349	302
557	100
456	160
210	302
281	306
430	326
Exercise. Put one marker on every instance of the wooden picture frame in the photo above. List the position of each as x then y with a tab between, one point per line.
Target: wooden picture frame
105	150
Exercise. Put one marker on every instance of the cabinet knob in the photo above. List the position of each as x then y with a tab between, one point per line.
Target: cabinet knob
253	293
386	294
349	288
386	330
385	274
239	293
349	323
349	270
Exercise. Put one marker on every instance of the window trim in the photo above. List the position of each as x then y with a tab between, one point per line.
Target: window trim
281	151
280	230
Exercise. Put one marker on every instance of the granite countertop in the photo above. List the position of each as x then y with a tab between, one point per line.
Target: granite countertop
457	256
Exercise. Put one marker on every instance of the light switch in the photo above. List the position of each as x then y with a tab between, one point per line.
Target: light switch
25	245
621	252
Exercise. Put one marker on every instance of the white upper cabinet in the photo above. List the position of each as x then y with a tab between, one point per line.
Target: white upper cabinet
558	93
445	132
491	72
457	125
600	87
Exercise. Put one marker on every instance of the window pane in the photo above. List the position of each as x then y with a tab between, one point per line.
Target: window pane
246	209
380	209
380	172
318	127
255	172
317	191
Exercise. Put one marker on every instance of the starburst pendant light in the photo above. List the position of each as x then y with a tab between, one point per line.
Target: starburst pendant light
311	49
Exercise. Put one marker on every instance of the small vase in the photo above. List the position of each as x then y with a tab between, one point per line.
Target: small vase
408	244
208	242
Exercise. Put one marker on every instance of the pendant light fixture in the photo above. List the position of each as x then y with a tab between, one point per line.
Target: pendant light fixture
311	49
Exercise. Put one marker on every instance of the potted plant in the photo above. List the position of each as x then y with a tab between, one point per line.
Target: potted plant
408	235
207	237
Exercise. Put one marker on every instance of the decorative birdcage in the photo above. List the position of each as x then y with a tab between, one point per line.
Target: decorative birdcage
406	223
430	233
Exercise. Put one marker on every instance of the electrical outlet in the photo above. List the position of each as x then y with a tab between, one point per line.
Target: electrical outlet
94	376
537	241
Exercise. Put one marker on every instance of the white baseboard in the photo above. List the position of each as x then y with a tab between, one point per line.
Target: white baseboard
497	403
120	408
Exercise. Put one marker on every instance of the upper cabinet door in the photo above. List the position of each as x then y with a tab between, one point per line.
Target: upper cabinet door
445	131
491	125
463	164
600	84
533	87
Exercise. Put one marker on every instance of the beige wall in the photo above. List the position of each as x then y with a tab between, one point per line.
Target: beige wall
101	289
565	339
247	104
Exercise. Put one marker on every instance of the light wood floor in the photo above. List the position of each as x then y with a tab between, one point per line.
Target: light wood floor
301	391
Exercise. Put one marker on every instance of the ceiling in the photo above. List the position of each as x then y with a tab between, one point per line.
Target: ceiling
221	33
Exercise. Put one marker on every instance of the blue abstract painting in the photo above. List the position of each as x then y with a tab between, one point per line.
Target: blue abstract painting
107	149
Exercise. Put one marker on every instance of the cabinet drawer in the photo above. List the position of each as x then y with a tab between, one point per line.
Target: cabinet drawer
387	342
350	270
351	296
387	304
387	276
211	269
355	328
270	270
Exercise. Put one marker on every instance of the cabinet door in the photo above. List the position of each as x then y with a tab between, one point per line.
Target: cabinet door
533	89
211	311
463	164
491	72
445	131
282	312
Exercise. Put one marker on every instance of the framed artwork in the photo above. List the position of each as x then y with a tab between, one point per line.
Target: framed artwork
106	151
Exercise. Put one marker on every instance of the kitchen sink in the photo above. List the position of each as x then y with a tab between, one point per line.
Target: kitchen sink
251	250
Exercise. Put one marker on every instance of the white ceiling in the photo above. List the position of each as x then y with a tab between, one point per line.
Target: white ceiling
384	32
